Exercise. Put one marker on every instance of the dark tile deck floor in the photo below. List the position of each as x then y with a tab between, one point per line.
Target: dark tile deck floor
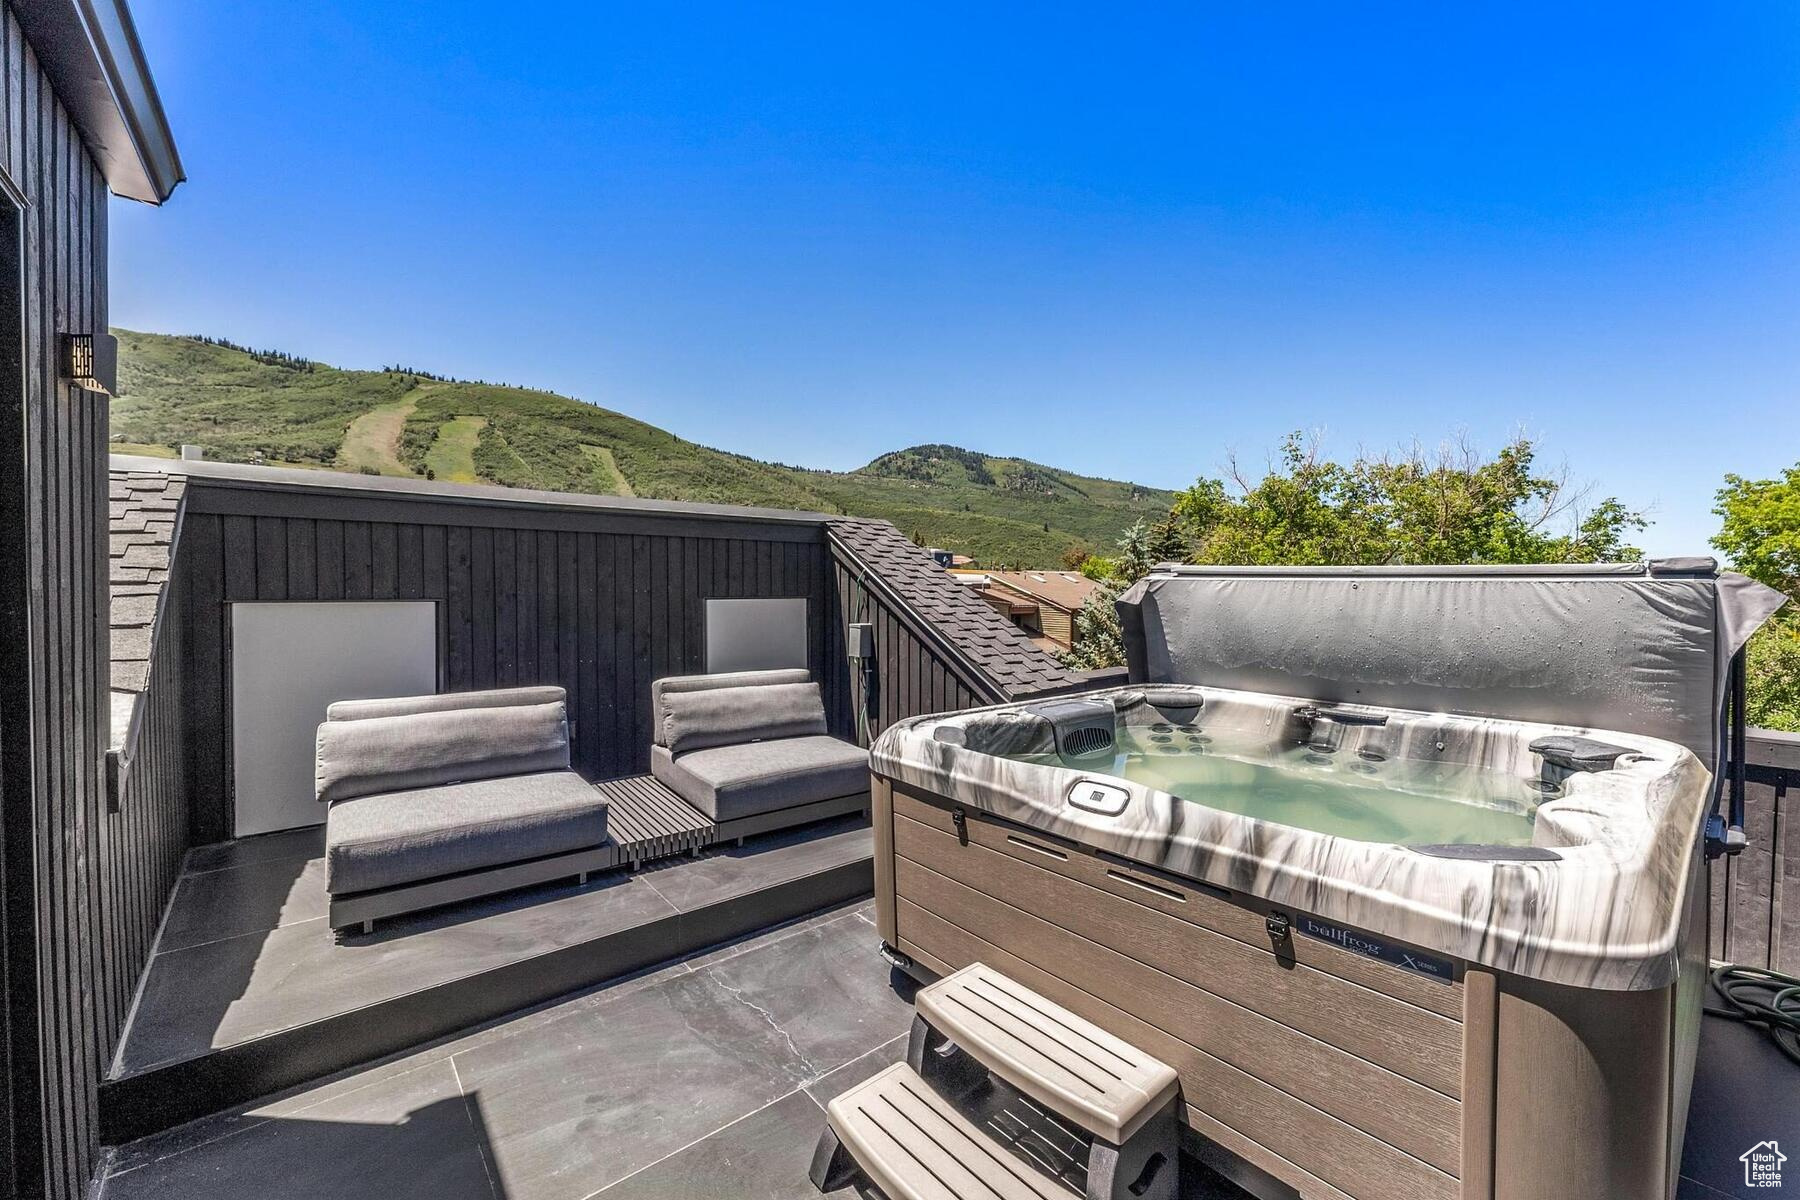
1745	1093
244	952
705	1077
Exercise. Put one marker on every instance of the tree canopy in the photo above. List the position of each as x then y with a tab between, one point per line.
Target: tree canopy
1452	505
1761	530
1760	534
1449	506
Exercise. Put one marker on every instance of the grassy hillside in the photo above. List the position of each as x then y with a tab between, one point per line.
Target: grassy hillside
948	494
244	406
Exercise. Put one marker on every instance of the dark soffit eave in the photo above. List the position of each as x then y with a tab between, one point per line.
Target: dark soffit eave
90	51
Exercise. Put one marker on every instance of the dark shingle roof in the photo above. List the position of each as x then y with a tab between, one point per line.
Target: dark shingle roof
995	646
142	509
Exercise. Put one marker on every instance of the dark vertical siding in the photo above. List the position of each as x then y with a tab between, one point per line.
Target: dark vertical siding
599	610
913	676
152	829
62	862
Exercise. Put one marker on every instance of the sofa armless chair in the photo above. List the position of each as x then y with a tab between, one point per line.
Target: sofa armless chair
749	749
435	799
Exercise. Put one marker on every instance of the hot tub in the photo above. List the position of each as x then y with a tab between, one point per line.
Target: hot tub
1394	953
1547	851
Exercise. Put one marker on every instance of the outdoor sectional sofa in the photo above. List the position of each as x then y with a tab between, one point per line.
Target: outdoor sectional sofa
435	799
750	750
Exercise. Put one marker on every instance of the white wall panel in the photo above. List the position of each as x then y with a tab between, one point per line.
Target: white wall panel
290	660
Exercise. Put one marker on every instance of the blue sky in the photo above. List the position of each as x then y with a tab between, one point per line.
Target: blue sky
1129	242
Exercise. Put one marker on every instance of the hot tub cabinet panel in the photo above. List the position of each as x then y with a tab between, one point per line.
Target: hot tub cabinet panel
1591	1087
1325	1070
1305	1000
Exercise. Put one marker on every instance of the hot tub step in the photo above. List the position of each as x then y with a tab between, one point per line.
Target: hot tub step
906	1129
913	1144
1064	1062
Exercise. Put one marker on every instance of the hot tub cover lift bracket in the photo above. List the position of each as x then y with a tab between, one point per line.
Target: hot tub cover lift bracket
1725	834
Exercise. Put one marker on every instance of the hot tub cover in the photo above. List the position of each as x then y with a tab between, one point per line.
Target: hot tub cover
1641	647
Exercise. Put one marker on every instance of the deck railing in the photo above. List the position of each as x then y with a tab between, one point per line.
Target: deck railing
1756	895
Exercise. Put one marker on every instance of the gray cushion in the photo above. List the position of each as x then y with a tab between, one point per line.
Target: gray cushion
383	840
678	684
400	706
391	754
728	782
728	716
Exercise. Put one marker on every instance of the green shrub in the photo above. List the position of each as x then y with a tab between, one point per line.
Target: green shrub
1772	675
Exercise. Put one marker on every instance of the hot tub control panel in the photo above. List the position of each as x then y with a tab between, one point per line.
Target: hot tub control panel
1091	795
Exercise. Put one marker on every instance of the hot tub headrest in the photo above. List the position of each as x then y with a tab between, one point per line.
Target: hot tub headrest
1572	753
1639	647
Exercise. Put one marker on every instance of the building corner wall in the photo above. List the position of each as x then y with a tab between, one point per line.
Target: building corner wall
64	976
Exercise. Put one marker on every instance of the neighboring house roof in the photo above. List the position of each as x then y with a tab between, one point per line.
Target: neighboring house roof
1009	604
1067	590
1005	601
90	51
143	507
993	645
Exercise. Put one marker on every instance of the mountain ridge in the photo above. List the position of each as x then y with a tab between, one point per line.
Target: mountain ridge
247	405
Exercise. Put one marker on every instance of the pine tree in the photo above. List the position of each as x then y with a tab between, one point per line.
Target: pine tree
1098	640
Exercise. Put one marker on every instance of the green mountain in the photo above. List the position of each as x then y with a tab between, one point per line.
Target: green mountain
245	405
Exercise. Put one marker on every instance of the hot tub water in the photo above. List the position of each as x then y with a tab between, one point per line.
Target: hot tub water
1366	796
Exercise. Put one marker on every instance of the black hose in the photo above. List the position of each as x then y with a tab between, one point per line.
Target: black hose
1759	997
